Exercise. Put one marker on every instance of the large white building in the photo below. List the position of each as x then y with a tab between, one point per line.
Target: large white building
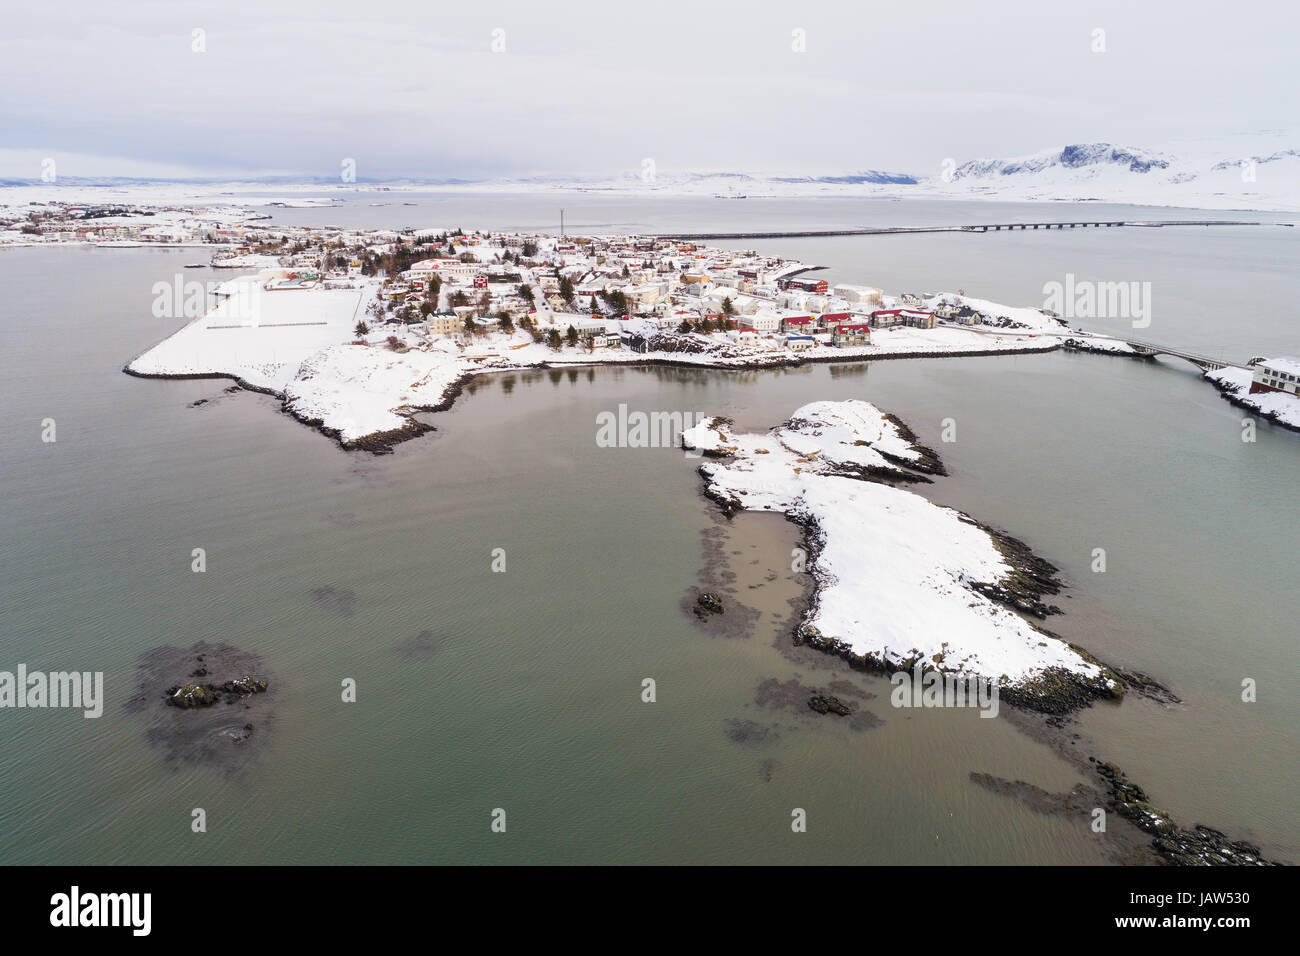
1276	375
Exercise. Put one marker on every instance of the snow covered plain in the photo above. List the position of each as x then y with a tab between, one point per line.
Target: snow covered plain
898	577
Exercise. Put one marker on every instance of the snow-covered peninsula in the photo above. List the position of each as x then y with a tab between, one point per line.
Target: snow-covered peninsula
900	581
359	332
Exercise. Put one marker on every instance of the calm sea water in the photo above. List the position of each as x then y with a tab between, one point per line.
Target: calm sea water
532	702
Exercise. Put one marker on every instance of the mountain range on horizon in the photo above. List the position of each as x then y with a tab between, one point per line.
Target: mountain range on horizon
1260	172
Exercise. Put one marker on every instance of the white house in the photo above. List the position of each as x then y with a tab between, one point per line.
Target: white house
1276	375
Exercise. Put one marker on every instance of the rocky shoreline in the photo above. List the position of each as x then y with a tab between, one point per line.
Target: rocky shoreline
1055	691
1143	833
1199	846
1233	396
1083	345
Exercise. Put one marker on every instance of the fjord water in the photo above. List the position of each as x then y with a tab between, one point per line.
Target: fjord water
531	701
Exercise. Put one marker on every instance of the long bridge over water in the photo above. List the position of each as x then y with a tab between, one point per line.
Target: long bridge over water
1204	362
1150	350
979	227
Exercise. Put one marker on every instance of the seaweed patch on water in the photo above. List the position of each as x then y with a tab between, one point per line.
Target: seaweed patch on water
424	644
795	698
846	688
211	704
342	519
341	600
749	733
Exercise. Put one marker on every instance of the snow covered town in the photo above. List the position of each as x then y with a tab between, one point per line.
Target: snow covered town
359	329
592	292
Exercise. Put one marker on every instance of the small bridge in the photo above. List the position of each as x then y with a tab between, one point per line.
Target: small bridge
1203	362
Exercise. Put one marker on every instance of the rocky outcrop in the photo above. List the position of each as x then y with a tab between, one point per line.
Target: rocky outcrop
187	696
708	603
827	704
1199	846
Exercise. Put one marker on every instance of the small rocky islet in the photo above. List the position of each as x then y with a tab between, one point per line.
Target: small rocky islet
211	704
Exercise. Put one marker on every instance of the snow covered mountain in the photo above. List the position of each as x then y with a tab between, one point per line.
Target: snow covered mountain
1079	156
1261	172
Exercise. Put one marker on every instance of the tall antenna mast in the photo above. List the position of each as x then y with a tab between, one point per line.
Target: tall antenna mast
561	222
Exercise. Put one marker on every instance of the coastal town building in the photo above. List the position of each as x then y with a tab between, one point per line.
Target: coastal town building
1276	375
443	323
819	286
909	318
847	335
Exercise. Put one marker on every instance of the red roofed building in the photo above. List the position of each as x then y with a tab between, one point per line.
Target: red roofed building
818	286
798	323
846	334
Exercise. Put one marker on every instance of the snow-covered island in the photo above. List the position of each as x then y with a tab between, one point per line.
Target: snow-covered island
900	581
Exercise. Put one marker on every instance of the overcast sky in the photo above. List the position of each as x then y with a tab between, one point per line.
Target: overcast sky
592	89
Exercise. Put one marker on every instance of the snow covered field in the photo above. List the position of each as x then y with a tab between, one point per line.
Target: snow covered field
261	337
895	572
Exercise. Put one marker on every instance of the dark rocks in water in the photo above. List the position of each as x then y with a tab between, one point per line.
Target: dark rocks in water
1011	596
826	704
190	695
186	696
1146	686
1199	846
1030	577
244	686
928	461
1059	691
184	724
708	603
796	698
196	404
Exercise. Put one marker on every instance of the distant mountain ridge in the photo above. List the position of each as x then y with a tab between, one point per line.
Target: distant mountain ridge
1254	171
1076	156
